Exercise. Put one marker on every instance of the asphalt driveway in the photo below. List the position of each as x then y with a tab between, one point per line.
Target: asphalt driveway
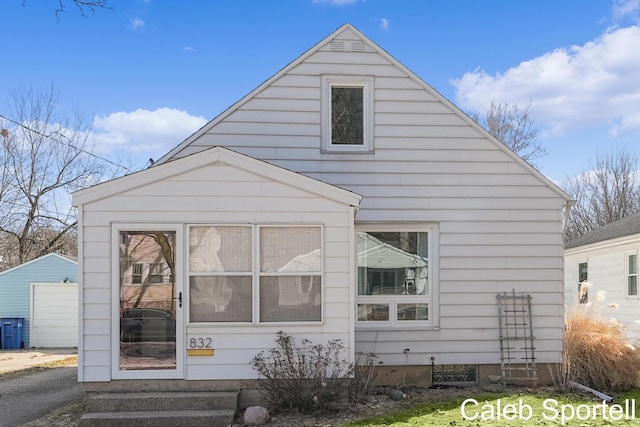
27	397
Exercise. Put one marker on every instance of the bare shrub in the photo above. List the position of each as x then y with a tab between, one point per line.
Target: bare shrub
364	378
306	377
598	352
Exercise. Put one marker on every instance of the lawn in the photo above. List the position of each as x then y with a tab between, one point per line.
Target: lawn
527	409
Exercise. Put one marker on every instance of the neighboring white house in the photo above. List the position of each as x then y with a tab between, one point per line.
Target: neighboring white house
342	198
608	259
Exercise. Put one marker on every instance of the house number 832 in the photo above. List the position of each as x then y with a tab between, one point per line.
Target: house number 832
200	342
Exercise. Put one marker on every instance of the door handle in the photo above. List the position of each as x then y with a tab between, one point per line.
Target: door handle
179	298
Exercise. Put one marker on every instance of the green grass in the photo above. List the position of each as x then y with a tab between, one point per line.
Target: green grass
543	409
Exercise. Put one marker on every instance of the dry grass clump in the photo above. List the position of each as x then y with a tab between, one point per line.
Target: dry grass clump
598	352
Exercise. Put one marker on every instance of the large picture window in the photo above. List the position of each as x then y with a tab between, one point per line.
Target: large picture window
278	267
393	277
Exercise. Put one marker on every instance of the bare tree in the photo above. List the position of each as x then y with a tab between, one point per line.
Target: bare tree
83	5
44	157
513	127
607	192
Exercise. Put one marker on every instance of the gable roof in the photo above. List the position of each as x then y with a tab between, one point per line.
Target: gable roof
627	226
348	27
211	156
65	258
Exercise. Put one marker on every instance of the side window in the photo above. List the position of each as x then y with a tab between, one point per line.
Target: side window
393	277
583	292
347	114
632	274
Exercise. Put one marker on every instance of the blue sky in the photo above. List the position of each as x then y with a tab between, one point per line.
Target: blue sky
148	73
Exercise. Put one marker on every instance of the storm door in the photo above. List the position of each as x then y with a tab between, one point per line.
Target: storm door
149	304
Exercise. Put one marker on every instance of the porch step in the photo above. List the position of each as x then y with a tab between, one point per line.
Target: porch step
188	418
182	408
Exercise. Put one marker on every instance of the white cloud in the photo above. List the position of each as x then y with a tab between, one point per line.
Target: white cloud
136	23
626	8
336	2
151	133
384	24
188	49
576	88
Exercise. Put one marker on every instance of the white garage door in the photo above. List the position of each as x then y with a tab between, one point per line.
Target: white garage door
54	315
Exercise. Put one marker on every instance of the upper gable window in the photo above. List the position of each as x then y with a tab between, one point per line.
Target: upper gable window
347	113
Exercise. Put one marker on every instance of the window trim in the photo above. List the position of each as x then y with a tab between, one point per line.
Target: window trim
256	274
366	82
627	275
586	296
432	297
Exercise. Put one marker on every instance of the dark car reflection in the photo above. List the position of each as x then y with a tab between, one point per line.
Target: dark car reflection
147	324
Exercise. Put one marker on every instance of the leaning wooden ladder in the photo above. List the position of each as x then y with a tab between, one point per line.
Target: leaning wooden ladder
517	350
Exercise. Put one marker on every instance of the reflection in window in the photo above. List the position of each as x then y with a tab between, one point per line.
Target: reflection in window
220	290
290	283
147	300
290	299
392	263
221	282
373	312
413	312
393	271
136	273
347	115
220	298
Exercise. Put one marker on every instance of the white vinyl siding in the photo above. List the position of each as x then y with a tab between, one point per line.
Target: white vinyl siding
608	272
218	193
499	224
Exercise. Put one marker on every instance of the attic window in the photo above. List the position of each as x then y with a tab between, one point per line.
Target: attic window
347	114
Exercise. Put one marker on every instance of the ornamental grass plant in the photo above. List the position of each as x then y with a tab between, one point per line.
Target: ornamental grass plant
598	351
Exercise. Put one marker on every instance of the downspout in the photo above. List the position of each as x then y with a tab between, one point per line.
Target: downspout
598	394
565	222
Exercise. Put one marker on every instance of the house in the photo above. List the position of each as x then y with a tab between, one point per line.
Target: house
343	198
608	259
43	292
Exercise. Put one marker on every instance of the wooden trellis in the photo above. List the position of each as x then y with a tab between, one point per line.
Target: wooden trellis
517	349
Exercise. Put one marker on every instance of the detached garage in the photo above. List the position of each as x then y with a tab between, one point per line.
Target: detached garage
43	292
54	315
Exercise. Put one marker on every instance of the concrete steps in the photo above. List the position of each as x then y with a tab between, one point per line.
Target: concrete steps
159	409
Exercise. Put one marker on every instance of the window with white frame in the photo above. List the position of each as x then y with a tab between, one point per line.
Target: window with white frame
347	113
393	276
632	273
278	267
136	273
583	277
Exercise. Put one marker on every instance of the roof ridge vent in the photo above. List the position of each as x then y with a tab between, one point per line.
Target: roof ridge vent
357	46
336	45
